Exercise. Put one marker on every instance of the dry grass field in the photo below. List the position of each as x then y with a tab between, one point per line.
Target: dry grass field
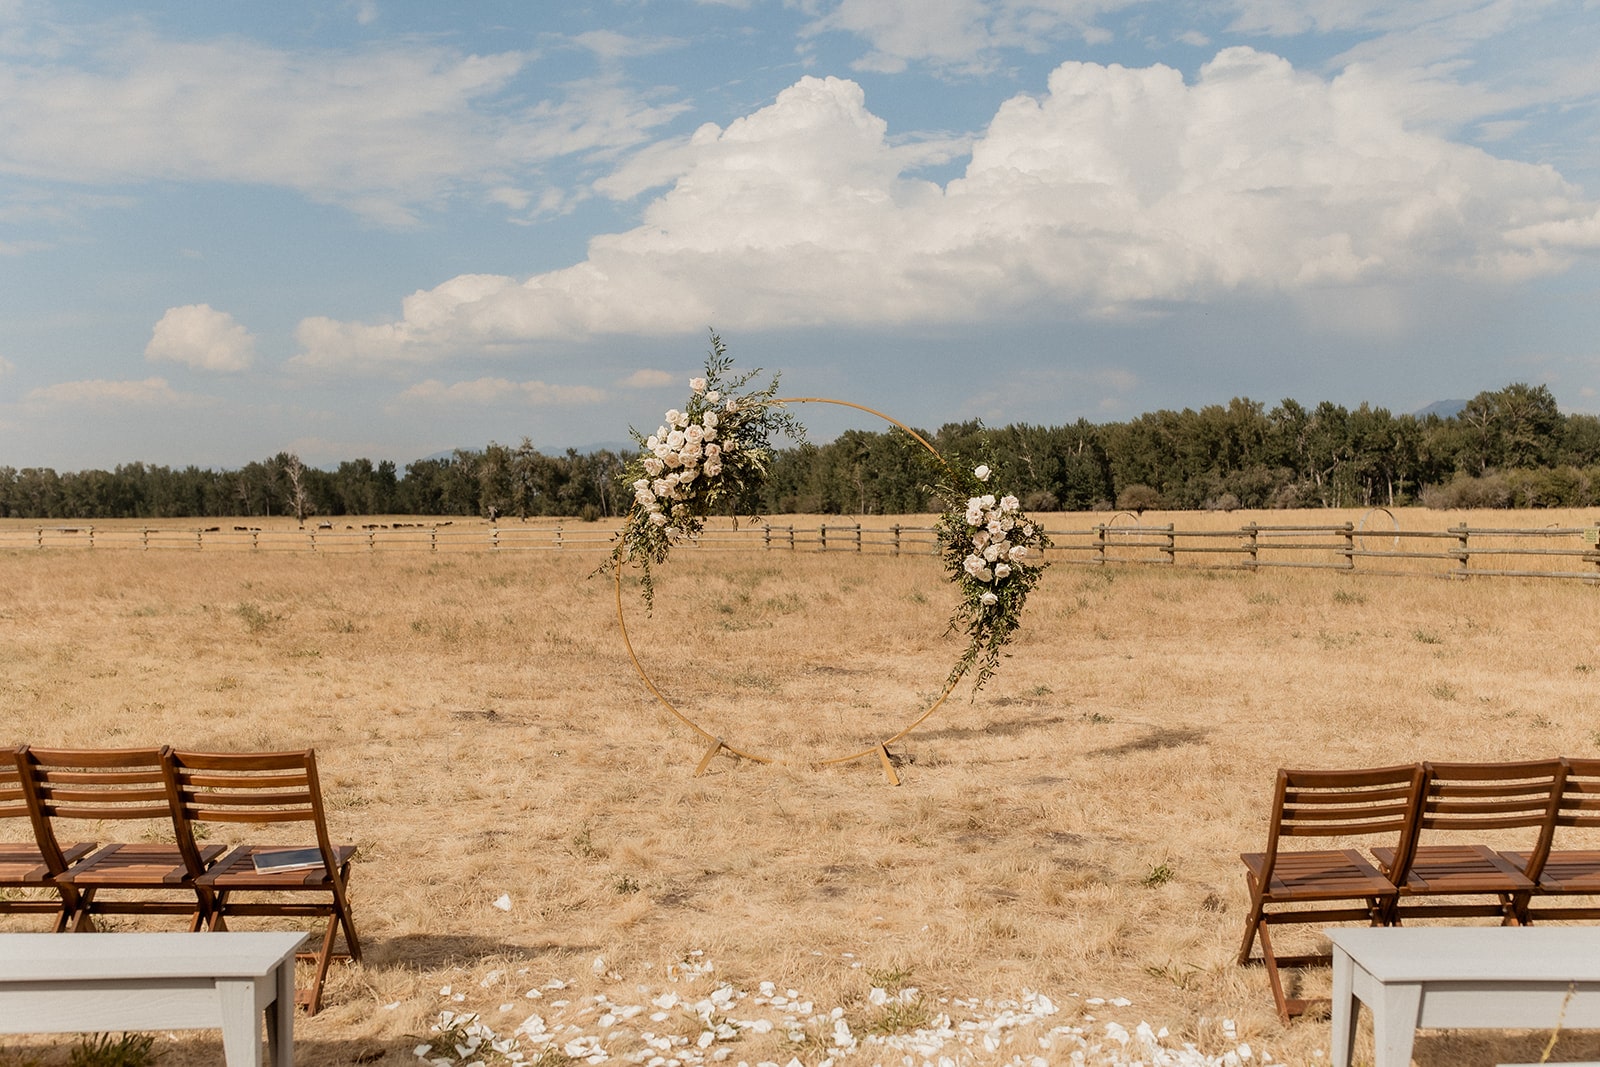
532	841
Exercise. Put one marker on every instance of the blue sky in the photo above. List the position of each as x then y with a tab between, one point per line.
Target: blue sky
389	229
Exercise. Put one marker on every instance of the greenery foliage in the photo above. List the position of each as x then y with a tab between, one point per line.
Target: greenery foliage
1510	447
103	1050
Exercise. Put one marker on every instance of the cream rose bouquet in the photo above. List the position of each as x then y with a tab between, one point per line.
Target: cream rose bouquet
704	459
995	555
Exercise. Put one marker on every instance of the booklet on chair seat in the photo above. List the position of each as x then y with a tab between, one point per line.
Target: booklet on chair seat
286	859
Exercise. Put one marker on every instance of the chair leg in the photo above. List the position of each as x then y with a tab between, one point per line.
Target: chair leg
1273	977
312	998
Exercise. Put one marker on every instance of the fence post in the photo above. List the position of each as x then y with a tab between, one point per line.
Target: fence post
858	537
433	539
766	536
1172	544
255	538
1100	544
144	538
1250	547
38	536
312	534
372	538
1349	546
822	537
1463	552
494	539
558	535
896	549
91	535
791	537
199	540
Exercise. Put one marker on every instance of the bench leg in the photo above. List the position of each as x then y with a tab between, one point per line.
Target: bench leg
1395	1012
241	1028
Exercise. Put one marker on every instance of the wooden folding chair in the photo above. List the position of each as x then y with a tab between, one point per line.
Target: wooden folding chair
1569	872
1472	803
1325	885
261	788
104	785
24	866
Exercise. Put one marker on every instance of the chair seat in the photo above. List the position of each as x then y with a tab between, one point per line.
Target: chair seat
236	871
125	866
1571	871
1445	869
1320	875
22	864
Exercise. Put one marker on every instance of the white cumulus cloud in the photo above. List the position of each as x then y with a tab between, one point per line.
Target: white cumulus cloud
201	337
645	378
103	393
1116	190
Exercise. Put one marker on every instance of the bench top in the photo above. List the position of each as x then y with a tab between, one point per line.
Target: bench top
1466	953
107	956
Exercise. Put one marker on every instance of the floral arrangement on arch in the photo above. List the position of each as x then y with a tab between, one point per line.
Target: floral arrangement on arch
702	460
712	454
995	554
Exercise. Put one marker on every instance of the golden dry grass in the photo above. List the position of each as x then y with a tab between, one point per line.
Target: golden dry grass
1073	830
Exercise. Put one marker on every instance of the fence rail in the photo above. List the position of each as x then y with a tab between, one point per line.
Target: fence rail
1458	551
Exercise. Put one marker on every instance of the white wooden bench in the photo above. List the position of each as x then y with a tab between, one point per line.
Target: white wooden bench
1460	977
68	983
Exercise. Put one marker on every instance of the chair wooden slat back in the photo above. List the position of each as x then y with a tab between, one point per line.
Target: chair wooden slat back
1580	797
98	785
255	787
1377	801
13	801
1472	797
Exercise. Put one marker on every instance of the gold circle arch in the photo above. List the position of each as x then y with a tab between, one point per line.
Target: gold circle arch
718	744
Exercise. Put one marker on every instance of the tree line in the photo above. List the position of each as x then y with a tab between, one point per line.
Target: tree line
1511	447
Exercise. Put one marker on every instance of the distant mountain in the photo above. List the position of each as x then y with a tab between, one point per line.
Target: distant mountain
1445	409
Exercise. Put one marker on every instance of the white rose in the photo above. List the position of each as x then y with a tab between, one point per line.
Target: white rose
713	468
689	452
673	416
697	385
645	497
658	518
974	517
987	500
653	466
732	404
694	433
973	564
661	432
1001	570
980	538
1009	503
989	600
1019	552
711	432
996	527
710	419
687	476
651	442
671	459
641	485
713	396
660	486
985	575
991	552
713	451
981	472
1027	531
675	440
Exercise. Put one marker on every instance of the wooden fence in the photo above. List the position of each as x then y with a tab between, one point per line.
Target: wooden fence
1458	551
